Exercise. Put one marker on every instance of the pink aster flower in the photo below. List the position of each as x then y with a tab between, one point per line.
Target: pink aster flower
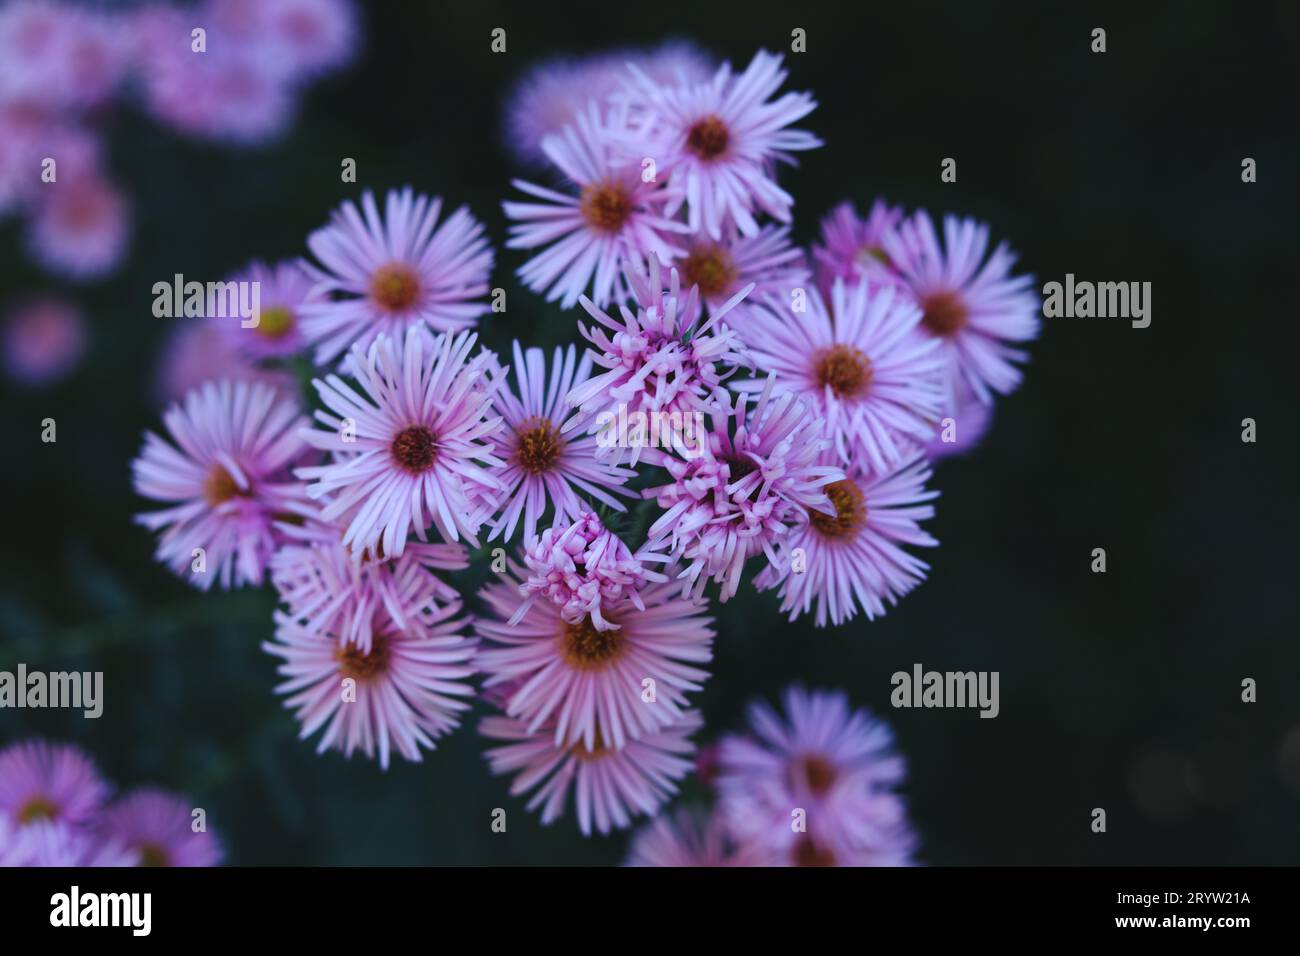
553	93
393	273
970	302
690	838
54	782
766	261
758	476
51	843
414	448
856	558
197	352
327	590
659	356
868	377
836	764
306	36
591	237
227	479
284	289
408	689
586	683
544	465
610	786
80	227
157	827
853	249
234	92
582	568
44	340
718	142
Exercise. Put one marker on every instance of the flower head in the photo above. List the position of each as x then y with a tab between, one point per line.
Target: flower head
614	218
44	340
284	289
766	262
80	228
401	693
413	448
853	249
693	838
719	141
582	569
610	785
157	827
545	465
395	272
53	782
659	356
586	683
328	590
756	477
970	302
552	94
872	381
836	764
226	479
856	558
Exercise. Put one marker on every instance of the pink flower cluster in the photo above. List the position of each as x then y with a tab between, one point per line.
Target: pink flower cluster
55	810
227	70
776	413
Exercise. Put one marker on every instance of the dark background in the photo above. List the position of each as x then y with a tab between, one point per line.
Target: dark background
1119	690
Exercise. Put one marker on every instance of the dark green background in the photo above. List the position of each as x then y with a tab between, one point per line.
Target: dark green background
1122	166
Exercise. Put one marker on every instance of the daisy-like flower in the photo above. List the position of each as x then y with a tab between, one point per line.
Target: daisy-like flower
758	477
227	479
44	340
54	782
582	568
543	463
856	559
157	827
836	764
718	142
874	384
586	684
969	300
81	228
284	289
690	838
414	449
391	273
853	249
551	95
610	786
329	591
403	693
50	843
614	219
658	356
198	352
719	269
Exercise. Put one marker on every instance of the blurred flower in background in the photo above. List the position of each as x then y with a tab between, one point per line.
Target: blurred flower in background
55	811
44	340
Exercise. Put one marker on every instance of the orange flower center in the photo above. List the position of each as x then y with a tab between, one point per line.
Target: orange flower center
360	666
711	268
606	206
586	648
395	287
538	446
844	368
415	448
220	486
850	511
708	138
945	314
